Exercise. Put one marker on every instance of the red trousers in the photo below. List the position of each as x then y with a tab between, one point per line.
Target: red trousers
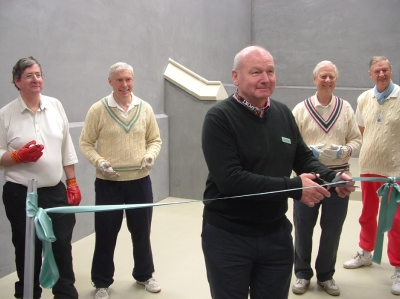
369	223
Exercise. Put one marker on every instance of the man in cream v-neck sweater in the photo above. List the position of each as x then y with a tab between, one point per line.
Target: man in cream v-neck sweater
377	115
128	141
329	121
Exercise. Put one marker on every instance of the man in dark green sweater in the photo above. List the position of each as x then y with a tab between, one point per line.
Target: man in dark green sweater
251	144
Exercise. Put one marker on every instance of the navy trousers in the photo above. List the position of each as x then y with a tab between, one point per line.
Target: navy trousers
108	225
235	263
14	198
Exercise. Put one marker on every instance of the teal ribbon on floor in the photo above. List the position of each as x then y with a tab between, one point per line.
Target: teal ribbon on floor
44	229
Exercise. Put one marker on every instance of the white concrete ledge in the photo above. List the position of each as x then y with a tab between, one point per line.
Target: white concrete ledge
194	84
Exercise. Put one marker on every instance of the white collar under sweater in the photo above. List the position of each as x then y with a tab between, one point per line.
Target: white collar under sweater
113	103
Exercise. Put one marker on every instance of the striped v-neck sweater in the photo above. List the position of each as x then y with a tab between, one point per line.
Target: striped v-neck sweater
124	142
334	124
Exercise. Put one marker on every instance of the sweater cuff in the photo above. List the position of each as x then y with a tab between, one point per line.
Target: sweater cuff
347	151
99	161
294	183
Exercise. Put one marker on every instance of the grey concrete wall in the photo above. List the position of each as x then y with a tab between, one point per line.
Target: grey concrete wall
77	41
299	34
188	170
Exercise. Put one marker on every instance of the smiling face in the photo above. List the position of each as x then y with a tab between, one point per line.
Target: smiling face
122	84
255	77
325	80
381	73
31	81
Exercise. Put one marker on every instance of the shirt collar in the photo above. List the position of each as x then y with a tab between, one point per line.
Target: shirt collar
22	106
113	103
396	91
317	103
254	110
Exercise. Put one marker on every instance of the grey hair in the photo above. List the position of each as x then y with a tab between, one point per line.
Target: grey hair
237	61
376	59
21	66
119	66
322	64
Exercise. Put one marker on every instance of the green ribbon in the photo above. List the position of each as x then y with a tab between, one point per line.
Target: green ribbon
390	198
44	229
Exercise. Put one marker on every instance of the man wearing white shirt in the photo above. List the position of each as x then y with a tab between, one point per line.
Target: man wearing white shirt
35	144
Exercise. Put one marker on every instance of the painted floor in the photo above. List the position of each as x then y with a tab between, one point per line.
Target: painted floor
180	266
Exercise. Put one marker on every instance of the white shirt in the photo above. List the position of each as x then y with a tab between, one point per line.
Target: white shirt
48	126
113	103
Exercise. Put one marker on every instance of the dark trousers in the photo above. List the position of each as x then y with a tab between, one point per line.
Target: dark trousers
235	263
333	214
14	198
108	225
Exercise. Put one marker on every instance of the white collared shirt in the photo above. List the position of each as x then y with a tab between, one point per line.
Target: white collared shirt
48	126
113	103
321	108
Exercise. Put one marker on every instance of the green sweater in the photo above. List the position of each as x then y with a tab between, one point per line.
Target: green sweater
124	142
245	155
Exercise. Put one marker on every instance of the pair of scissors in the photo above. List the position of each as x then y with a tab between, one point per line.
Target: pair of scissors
338	183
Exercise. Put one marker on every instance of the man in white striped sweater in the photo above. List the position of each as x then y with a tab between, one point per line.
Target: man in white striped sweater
329	128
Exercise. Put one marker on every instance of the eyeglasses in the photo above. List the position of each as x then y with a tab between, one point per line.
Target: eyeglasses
30	76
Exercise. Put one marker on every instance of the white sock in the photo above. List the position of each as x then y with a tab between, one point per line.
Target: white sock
396	270
365	253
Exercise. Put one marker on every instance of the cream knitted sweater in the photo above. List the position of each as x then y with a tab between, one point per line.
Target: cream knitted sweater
380	153
124	142
334	124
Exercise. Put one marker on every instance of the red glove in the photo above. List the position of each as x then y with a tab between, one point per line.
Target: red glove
30	152
73	192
